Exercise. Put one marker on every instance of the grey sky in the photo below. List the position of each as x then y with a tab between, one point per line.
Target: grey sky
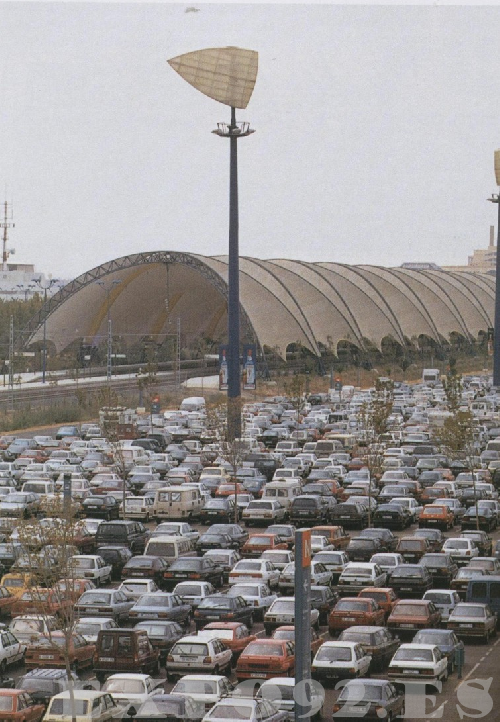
376	128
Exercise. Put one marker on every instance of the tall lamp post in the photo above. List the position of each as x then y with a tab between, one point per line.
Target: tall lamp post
45	286
496	333
107	288
227	75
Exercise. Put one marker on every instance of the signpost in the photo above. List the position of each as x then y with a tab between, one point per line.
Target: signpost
303	623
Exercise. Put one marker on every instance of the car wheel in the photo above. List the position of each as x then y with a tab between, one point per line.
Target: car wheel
3	667
445	674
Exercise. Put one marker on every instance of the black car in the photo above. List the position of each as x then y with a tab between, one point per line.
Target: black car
162	635
390	515
435	538
376	641
209	541
410	580
144	566
222	608
235	531
323	599
482	517
445	639
132	534
378	698
349	515
360	549
388	541
115	555
189	568
470	497
441	567
105	507
220	509
264	463
308	509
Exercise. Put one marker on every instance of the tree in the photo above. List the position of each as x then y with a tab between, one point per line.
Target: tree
452	384
457	439
49	546
295	390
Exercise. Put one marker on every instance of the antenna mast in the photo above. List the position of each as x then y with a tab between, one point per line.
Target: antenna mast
6	224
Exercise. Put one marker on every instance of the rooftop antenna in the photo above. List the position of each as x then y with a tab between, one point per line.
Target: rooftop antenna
6	224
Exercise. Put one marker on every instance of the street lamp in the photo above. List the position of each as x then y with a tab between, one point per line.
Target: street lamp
496	333
107	288
45	285
227	75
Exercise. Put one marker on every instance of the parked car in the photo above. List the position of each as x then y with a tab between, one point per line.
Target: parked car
193	568
412	548
447	642
441	567
434	538
192	654
469	619
253	569
161	605
340	659
89	627
258	543
481	540
417	661
104	603
358	575
223	608
436	515
411	580
378	642
268	657
445	601
412	614
353	611
105	507
246	708
116	556
124	650
53	651
145	566
377	696
235	635
385	597
282	613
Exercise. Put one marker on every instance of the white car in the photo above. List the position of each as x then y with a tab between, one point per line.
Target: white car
255	593
205	688
282	613
245	708
11	650
132	688
358	575
138	507
91	706
340	659
266	511
135	588
320	544
411	504
445	600
279	557
418	661
387	561
255	569
460	550
319	575
89	627
197	654
334	561
176	528
91	566
193	592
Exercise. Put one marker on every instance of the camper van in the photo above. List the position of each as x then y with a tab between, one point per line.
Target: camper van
193	403
431	376
177	502
283	491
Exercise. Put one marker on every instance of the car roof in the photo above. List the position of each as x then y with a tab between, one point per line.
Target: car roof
129	675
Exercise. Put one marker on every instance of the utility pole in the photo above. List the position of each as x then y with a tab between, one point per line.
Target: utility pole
11	361
107	289
178	355
6	224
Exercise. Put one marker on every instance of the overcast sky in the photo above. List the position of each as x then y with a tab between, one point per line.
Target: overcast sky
375	132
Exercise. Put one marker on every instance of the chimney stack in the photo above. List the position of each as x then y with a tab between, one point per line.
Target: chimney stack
492	236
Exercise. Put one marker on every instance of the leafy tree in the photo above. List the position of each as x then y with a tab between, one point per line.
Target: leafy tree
452	384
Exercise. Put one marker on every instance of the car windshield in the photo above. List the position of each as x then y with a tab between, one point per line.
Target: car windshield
461	610
410	545
407	571
334	654
357	692
134	587
215	603
248	567
190	648
195	686
351	635
151	600
433	638
413	655
130	686
6	703
358	572
99	598
409	610
264	649
260	540
186	563
439	598
91	629
457	544
242	590
345	606
194	589
79	708
283	607
83	563
26	625
231	712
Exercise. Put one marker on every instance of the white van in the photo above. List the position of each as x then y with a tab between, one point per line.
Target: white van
283	492
39	487
193	403
132	456
177	502
169	548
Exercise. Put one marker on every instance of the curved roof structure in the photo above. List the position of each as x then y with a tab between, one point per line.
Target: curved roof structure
282	302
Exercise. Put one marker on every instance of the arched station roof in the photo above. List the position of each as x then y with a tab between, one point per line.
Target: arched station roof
282	302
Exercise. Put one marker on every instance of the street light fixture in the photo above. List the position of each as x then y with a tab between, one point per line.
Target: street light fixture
45	286
496	333
227	75
107	288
